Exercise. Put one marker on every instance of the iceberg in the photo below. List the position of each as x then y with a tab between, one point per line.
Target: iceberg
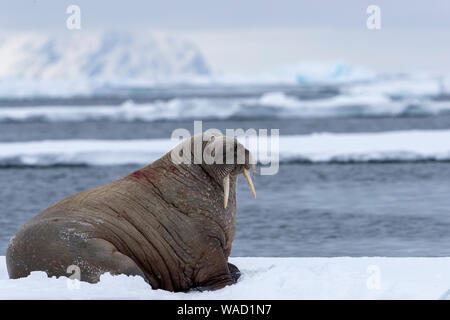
98	55
320	72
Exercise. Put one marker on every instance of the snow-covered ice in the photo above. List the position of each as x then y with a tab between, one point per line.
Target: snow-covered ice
275	105
265	278
414	145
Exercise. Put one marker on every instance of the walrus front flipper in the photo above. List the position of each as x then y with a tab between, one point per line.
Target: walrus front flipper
234	271
219	283
215	276
216	283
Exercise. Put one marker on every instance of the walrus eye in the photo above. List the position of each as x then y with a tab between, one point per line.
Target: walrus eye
226	186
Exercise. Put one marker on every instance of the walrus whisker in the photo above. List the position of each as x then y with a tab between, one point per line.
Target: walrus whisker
249	182
226	190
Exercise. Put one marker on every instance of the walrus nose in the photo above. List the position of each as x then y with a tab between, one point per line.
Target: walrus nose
226	186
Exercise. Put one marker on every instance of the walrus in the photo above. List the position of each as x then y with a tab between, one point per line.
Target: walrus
171	223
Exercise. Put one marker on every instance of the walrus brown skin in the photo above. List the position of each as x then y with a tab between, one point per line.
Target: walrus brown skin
165	222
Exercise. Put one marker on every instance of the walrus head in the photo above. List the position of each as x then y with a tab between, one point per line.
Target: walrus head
222	157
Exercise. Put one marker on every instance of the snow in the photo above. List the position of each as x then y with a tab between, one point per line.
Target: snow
265	278
414	145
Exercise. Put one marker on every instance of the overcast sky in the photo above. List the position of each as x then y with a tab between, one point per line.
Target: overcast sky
250	36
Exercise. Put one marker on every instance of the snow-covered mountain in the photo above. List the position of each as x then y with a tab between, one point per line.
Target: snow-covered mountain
105	55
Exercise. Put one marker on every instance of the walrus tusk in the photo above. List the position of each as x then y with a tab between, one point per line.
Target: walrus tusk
249	182
226	190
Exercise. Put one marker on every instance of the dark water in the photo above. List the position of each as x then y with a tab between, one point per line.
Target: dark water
304	210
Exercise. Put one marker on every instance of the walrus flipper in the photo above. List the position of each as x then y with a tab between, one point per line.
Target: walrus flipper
216	283
224	274
220	282
234	271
